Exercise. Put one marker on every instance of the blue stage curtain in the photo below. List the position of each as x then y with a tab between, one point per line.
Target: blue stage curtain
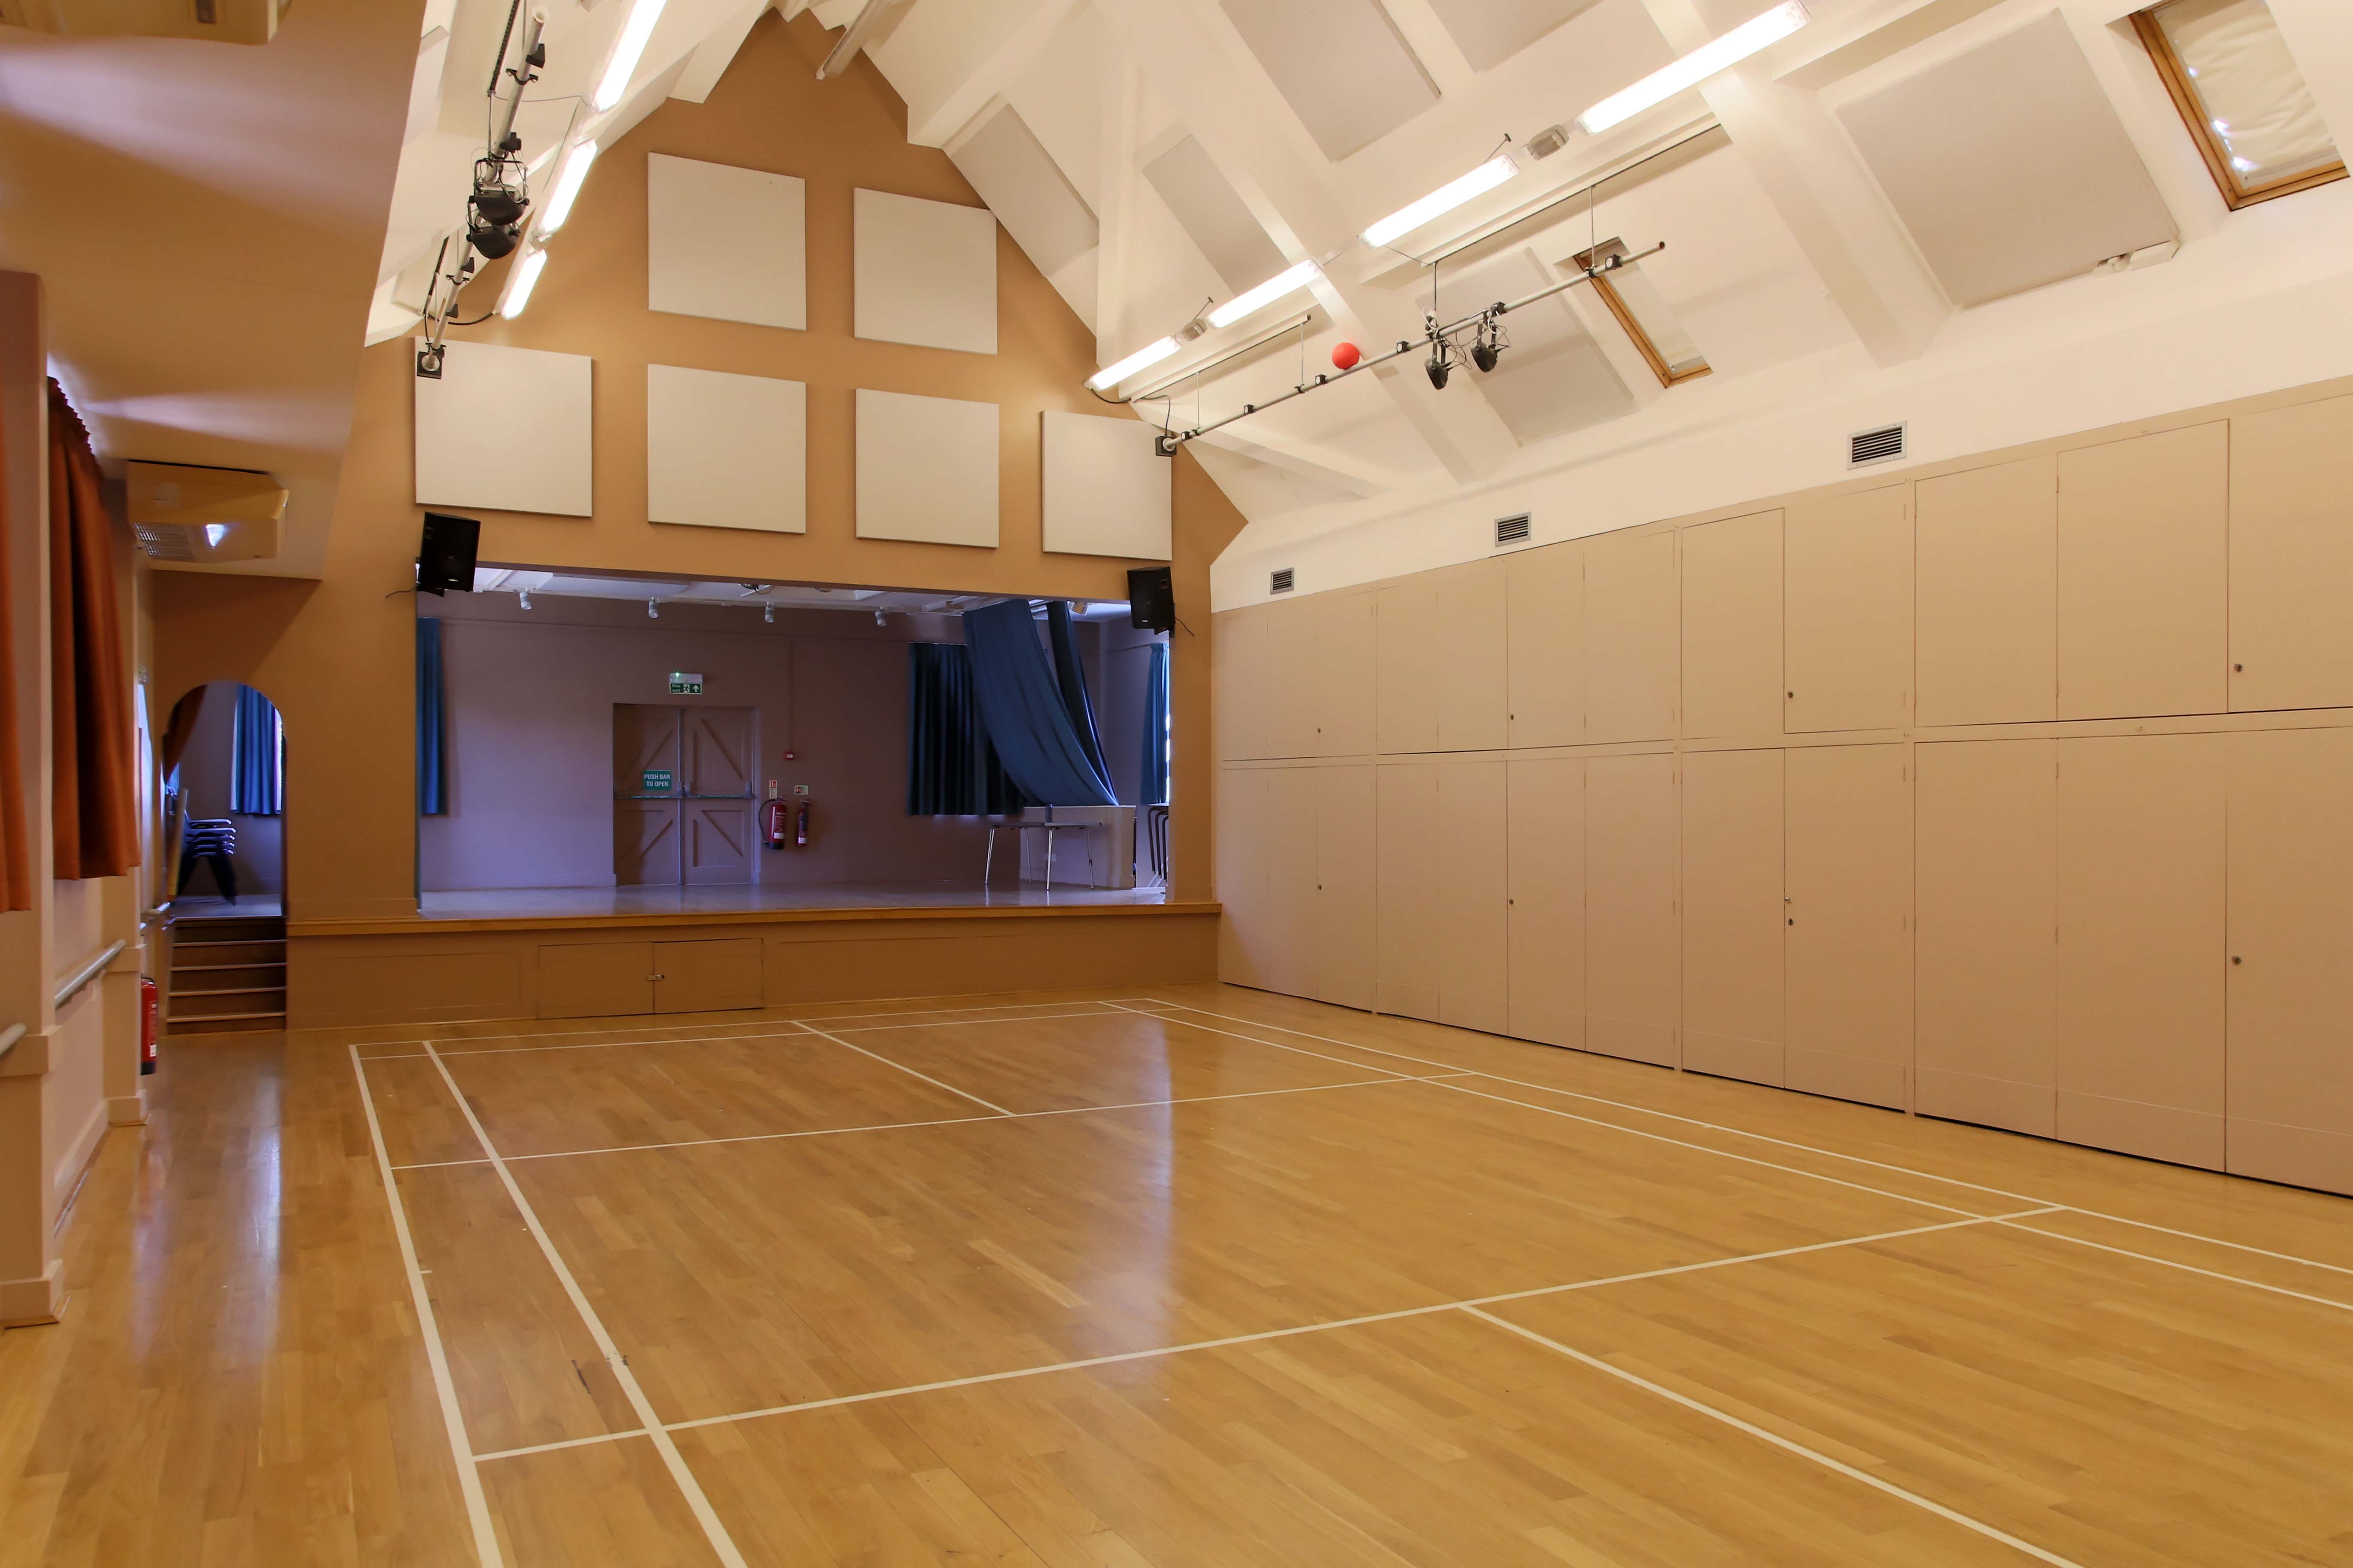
1153	775
951	770
1070	680
257	776
432	723
1021	706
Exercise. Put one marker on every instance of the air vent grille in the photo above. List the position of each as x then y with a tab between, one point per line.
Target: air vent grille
1883	445
1512	530
166	543
1282	581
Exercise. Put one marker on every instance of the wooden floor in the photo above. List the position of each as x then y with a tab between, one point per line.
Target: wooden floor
1196	1278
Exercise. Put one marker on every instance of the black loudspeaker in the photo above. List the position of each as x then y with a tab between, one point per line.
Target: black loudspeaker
445	556
1151	599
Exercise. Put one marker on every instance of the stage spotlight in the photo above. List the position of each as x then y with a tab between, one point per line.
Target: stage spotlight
768	614
654	610
525	595
1438	369
1483	354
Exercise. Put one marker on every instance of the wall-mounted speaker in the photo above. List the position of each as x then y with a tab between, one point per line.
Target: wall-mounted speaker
1151	599
445	556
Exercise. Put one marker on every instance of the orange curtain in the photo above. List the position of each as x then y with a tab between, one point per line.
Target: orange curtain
16	848
95	812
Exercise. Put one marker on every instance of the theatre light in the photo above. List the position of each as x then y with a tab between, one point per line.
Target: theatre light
1443	200
1696	66
1143	358
628	49
568	180
1242	304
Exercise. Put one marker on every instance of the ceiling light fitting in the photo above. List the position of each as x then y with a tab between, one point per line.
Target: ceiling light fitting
1143	358
1444	200
653	609
628	49
1252	300
568	180
1720	54
519	283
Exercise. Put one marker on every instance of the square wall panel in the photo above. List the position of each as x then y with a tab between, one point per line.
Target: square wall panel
2009	165
726	451
1106	491
1027	192
1343	66
1214	215
926	469
925	272
1490	32
724	242
506	429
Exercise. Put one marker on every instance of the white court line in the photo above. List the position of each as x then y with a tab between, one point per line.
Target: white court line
910	1072
687	1031
1254	1039
943	1121
2185	1268
453	1421
1783	1142
1735	1421
720	1541
1435	1307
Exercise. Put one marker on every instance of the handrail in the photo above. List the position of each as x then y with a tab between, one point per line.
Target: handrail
90	971
8	1039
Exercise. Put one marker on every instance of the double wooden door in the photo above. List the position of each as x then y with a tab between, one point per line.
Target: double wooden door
683	794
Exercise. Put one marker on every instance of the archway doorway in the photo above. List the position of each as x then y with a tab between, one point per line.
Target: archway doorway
223	789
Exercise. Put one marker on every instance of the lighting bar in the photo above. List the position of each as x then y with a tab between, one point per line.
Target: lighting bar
1253	299
1443	200
568	180
1696	66
1143	358
628	49
519	287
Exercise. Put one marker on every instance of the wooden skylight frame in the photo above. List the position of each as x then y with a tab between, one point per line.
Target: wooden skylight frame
2179	85
1668	375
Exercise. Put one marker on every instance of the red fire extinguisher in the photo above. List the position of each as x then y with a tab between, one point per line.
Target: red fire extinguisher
150	1017
772	824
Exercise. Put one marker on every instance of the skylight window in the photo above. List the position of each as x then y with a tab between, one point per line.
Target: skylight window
1631	297
2245	103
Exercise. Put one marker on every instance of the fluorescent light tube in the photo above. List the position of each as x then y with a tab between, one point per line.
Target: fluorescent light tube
519	287
1148	355
1283	282
1443	200
628	49
568	180
1696	66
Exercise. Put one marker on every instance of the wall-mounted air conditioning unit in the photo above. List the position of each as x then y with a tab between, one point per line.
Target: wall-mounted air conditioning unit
202	515
228	21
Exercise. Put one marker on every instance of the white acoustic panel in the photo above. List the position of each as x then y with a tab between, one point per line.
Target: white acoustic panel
1346	71
2009	166
1027	192
726	451
925	272
1106	491
1490	32
506	429
926	469
724	242
1214	215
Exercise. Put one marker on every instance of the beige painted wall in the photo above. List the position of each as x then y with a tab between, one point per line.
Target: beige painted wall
2011	791
336	654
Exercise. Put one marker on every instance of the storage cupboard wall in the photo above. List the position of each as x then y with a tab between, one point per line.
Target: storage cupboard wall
2015	793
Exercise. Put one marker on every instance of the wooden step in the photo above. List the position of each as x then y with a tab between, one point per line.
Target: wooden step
239	1024
233	1002
259	928
186	953
220	976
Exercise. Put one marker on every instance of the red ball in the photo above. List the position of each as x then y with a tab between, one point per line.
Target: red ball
1344	355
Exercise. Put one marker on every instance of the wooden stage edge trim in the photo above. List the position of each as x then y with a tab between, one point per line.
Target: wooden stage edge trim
423	925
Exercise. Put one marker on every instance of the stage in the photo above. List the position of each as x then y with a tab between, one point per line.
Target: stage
754	899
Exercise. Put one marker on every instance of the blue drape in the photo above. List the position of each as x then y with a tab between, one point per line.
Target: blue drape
951	770
432	723
1070	680
257	773
1021	706
1153	775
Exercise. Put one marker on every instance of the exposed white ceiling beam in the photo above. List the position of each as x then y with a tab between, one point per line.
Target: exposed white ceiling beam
1816	180
1309	459
1116	199
716	53
1201	66
983	46
2320	35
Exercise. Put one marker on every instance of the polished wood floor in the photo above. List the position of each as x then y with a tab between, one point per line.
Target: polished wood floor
1188	1278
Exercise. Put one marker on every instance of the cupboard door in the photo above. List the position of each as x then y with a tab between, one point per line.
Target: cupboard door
1344	931
1988	917
2141	823
2291	557
1732	626
1989	595
596	979
2144	558
1405	676
1241	829
1240	701
707	976
1288	848
1630	940
2289	1050
1344	662
1470	655
1849	924
1544	646
1846	584
1472	973
1287	671
1631	644
1408	868
1545	899
1732	914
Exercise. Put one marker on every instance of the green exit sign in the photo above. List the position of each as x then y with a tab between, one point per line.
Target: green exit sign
685	684
657	781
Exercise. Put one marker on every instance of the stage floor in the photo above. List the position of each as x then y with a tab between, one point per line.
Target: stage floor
513	903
